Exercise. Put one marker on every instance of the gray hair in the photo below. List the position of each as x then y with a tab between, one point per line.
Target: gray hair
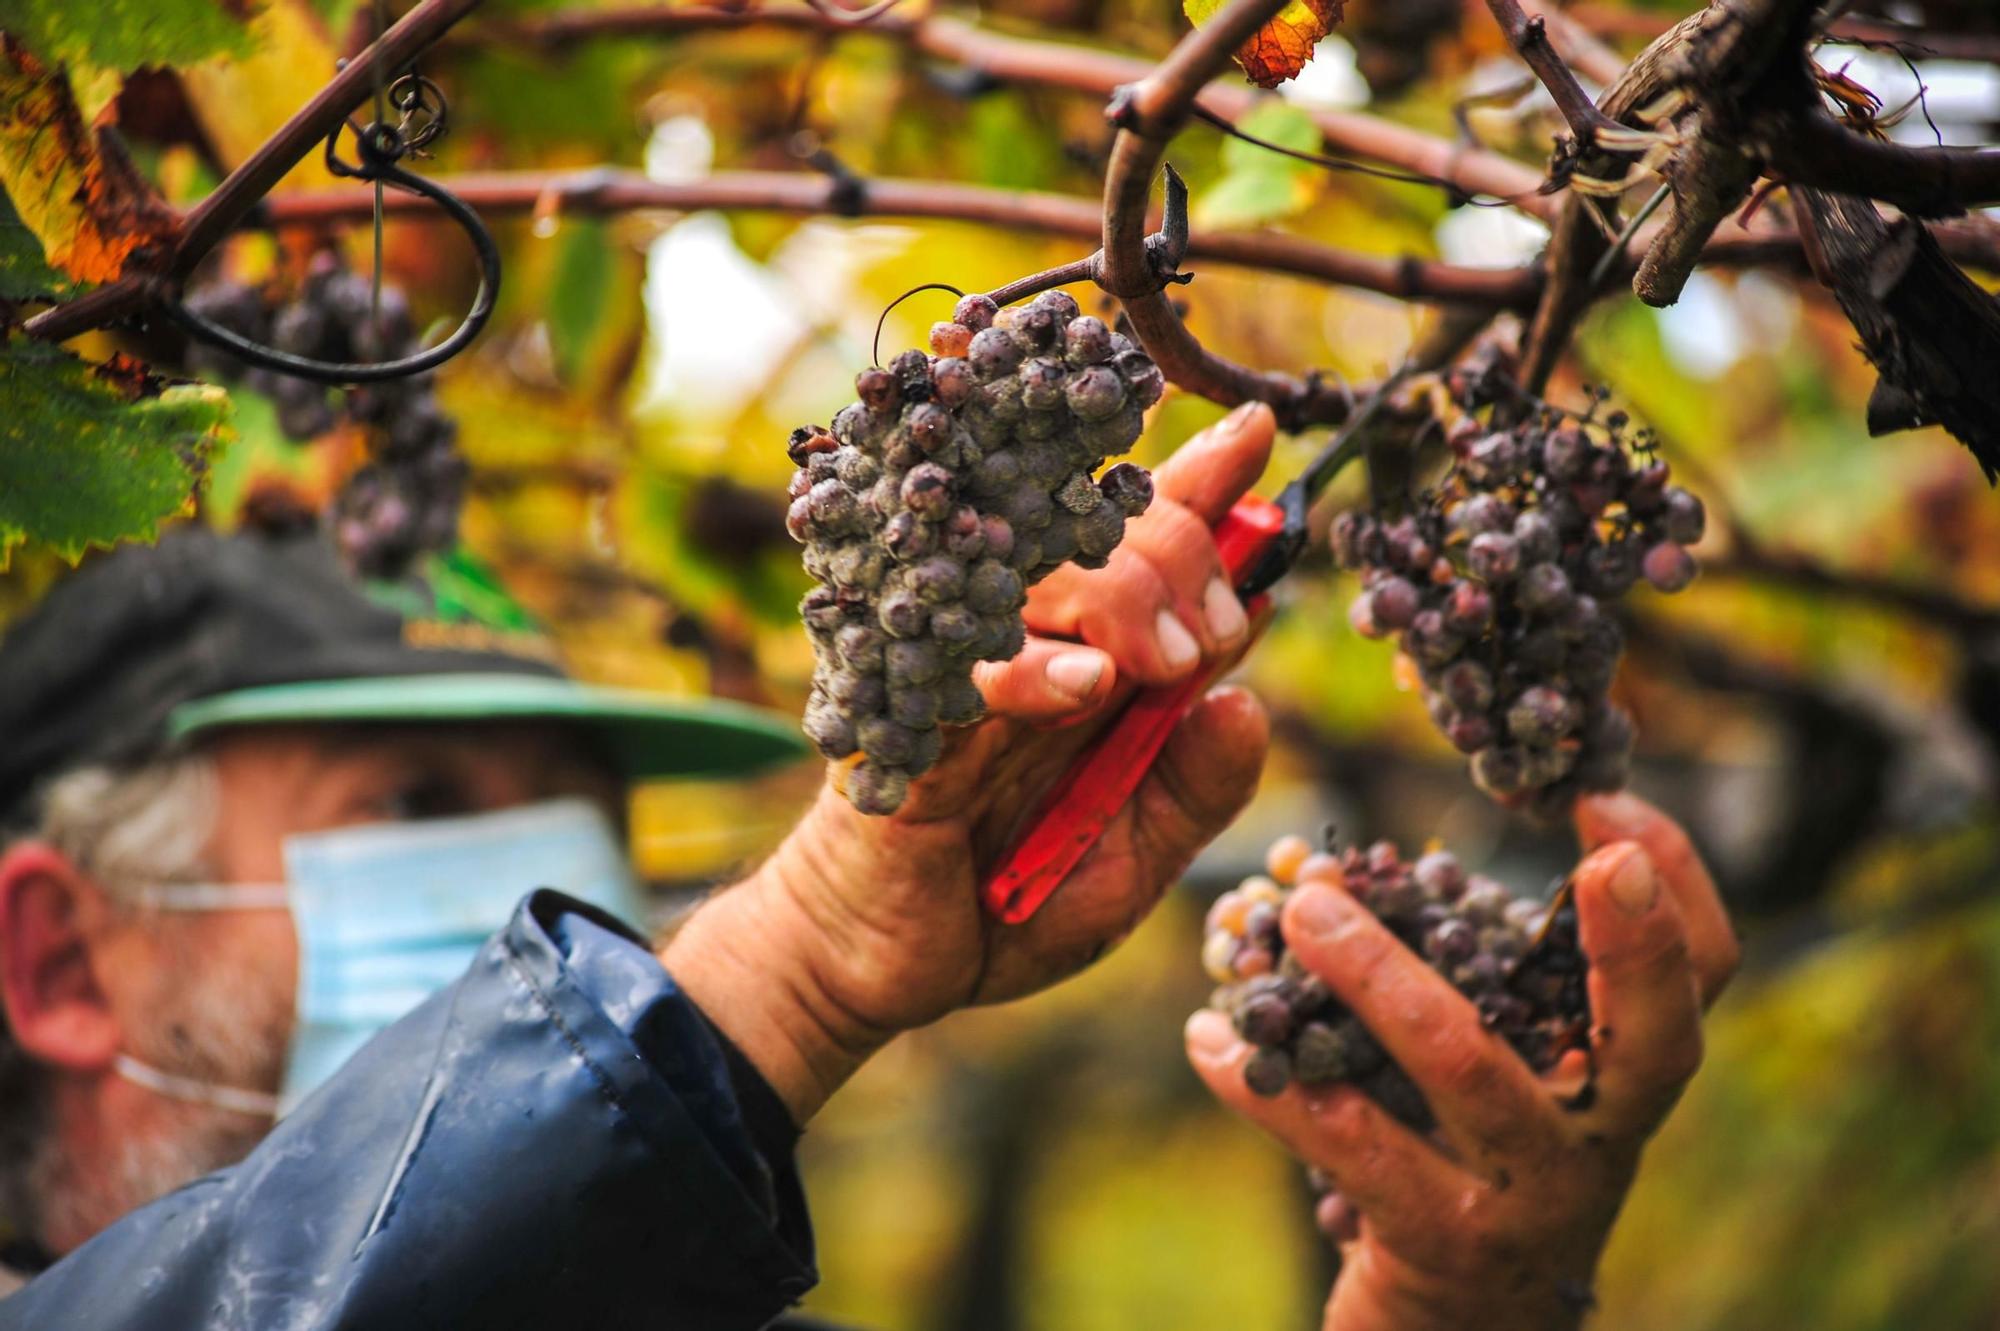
123	828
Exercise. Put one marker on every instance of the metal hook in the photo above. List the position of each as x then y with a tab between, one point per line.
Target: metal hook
379	147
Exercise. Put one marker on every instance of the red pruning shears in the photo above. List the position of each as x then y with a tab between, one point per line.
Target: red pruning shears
1259	541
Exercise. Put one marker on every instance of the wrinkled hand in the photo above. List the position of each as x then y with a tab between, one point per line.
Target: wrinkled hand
872	925
1497	1220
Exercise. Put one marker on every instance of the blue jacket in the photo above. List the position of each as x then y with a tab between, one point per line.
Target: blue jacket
557	1140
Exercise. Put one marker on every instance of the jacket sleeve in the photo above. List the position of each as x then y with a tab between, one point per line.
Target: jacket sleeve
554	1140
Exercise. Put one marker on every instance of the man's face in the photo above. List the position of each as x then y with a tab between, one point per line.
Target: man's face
210	994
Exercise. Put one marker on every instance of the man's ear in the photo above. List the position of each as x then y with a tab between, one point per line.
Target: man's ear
56	1011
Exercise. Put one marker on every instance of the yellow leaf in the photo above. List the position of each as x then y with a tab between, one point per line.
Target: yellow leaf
241	100
76	191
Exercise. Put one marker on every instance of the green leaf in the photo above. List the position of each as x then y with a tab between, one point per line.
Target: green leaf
259	450
580	292
655	516
335	14
1009	145
1259	185
88	456
24	273
125	34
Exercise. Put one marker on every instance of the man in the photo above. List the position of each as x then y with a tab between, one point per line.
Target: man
265	813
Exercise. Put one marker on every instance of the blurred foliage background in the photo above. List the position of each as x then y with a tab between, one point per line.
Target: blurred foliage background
1822	709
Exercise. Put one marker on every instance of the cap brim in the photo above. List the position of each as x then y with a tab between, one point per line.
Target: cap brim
647	735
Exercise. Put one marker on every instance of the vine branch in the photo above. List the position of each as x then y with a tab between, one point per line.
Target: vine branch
1022	60
1614	22
598	192
1813	149
1147	114
1530	39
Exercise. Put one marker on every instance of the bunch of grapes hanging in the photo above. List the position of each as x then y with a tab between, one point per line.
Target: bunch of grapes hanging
407	498
959	479
1499	587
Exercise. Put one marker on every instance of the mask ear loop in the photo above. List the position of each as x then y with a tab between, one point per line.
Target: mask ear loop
195	1092
214	896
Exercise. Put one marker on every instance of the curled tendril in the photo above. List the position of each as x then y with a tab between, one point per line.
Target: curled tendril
875	350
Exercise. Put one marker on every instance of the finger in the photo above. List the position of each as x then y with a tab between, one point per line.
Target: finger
1213	470
1337	1218
1126	609
1485	1098
1711	940
1048	681
1381	1167
1645	1008
1180	549
1205	774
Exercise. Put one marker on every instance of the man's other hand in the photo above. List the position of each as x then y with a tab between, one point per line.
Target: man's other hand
1497	1219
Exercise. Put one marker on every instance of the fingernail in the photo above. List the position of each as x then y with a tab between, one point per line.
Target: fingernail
1316	911
1633	885
1236	419
1209	1034
1177	645
1075	673
1619	817
1223	611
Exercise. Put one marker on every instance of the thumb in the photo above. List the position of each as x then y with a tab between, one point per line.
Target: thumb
1212	470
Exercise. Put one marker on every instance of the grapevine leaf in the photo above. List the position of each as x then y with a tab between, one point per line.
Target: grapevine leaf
1258	185
24	273
335	14
78	192
96	454
580	292
122	35
1278	50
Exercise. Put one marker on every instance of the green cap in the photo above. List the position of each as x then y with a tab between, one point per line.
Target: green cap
152	644
646	734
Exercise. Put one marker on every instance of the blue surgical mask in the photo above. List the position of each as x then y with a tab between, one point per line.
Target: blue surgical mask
387	914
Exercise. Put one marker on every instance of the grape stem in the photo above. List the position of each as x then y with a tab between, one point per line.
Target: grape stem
1165	249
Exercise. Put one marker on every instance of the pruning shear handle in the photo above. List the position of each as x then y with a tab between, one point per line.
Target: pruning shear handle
1071	818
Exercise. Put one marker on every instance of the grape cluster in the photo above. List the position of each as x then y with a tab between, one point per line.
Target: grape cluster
1499	588
1516	959
959	480
407	498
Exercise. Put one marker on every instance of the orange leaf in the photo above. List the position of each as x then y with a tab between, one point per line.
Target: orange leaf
1279	49
76	190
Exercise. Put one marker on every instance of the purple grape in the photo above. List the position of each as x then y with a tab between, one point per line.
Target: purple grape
1468	685
1393	603
975	312
1493	557
1128	486
1541	716
1668	567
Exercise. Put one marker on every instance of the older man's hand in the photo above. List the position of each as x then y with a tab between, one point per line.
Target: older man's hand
1497	1220
866	926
